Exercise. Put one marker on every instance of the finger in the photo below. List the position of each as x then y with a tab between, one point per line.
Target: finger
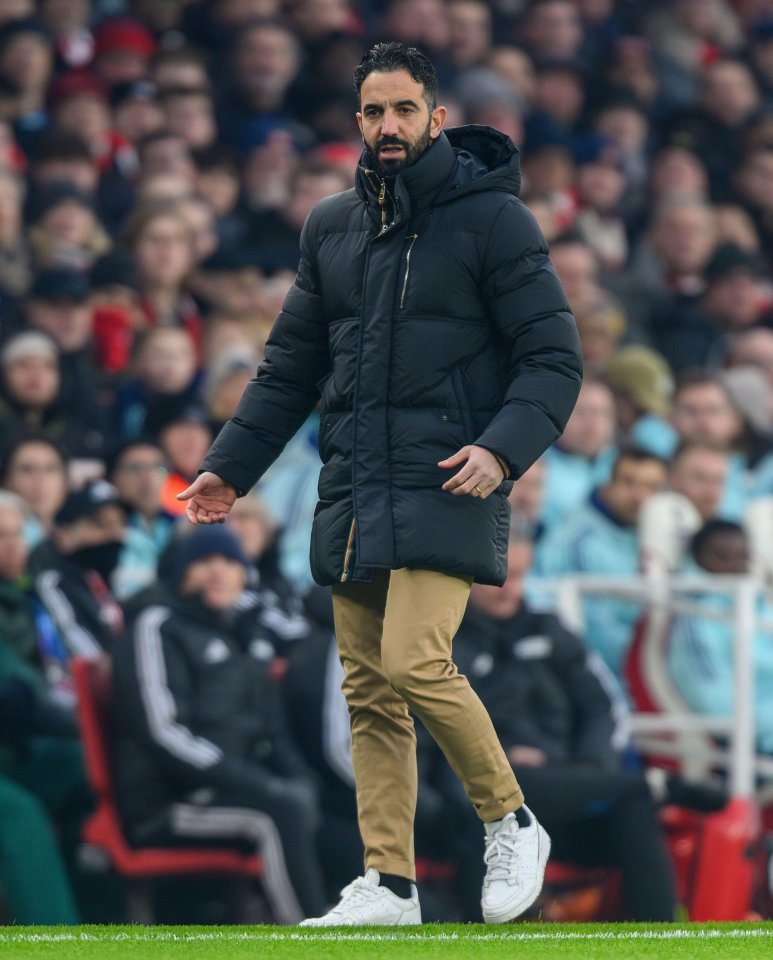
459	457
192	490
458	478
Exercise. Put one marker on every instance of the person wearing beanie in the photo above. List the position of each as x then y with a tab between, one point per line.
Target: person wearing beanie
72	570
202	750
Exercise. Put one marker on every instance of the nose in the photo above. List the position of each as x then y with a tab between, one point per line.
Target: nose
389	124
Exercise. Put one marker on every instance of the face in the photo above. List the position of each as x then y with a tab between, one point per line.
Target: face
106	525
37	473
576	270
678	171
250	528
218	580
201	224
470	32
633	483
167	363
627	127
704	412
186	445
139	477
591	427
501	603
700	476
561	94
226	397
601	186
165	251
33	381
684	238
725	553
754	349
119	66
735	300
554	30
307	192
13	549
28	60
395	121
193	119
755	180
85	114
135	118
730	93
528	492
69	322
266	61
70	223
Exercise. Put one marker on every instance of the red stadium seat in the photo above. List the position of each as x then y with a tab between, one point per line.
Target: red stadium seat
103	831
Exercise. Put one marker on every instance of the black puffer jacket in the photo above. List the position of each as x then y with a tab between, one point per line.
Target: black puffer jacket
427	322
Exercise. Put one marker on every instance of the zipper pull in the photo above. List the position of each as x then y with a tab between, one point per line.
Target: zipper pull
382	204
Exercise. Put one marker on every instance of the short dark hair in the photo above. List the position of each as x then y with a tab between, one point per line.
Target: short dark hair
635	454
710	529
392	56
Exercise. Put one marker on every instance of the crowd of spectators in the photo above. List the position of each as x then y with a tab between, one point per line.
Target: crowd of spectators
157	163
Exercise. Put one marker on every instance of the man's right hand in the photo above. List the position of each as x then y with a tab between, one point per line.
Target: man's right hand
209	499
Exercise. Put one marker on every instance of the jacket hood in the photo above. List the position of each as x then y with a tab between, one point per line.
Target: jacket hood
486	159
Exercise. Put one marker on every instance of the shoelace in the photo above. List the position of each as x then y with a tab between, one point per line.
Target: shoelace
500	851
357	893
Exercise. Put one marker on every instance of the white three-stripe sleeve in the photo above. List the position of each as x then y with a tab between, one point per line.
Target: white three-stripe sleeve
157	698
77	639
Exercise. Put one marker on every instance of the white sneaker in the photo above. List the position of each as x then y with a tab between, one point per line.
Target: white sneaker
365	903
516	858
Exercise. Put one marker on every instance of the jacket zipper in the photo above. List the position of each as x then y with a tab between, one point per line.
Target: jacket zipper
382	204
348	553
413	237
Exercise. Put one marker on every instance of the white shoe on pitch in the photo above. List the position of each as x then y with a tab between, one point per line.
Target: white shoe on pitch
365	903
515	858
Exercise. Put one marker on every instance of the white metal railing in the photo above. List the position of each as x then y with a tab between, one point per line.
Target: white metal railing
676	594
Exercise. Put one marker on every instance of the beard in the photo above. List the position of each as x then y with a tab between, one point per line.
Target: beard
412	150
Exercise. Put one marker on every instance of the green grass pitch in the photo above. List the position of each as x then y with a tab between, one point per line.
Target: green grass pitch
526	941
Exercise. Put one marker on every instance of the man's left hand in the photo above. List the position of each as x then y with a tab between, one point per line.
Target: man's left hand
480	475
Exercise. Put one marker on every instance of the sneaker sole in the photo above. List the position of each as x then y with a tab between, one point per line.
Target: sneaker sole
407	919
517	907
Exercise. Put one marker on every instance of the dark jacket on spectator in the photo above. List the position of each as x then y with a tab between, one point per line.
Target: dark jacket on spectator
194	703
540	686
85	615
427	315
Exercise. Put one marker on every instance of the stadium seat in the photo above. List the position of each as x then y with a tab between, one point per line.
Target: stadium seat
102	832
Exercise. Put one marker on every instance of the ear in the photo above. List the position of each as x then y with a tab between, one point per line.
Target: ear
359	123
436	122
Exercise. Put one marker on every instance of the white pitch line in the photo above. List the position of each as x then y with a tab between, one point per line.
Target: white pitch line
340	936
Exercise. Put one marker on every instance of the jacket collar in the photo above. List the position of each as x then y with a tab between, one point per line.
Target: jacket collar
417	185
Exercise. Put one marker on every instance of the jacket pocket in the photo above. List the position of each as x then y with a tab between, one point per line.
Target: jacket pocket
463	403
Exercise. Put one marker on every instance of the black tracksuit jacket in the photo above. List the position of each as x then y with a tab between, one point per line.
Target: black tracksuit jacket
427	316
194	705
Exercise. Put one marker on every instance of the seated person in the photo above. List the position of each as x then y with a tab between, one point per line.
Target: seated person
41	769
202	752
72	569
700	649
554	709
602	538
139	470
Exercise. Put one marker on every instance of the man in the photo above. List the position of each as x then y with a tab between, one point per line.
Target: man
41	771
72	569
602	538
139	471
701	654
428	316
698	470
554	707
202	752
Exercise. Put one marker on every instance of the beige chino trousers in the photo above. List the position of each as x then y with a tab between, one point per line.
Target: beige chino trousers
394	638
